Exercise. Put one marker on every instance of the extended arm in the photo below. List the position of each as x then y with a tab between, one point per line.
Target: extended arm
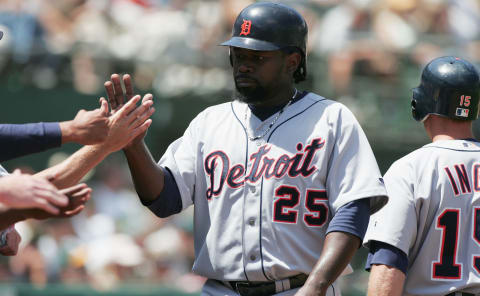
345	233
338	250
21	139
88	127
125	125
147	176
77	195
385	281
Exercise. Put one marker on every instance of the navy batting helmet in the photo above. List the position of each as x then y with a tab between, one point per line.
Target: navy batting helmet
269	26
450	87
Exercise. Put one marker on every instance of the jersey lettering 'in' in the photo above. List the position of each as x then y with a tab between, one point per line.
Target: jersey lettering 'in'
462	182
217	167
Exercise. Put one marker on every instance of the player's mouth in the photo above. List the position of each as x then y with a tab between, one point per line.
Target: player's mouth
245	82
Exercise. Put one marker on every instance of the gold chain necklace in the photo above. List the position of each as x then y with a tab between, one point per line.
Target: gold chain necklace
253	138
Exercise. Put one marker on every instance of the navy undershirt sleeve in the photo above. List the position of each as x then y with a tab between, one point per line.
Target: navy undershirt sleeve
21	139
385	254
352	218
169	201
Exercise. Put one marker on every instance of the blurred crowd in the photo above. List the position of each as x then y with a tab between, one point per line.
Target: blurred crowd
170	46
365	53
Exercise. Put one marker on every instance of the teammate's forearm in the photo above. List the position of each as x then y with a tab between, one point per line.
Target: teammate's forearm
147	176
338	250
385	281
70	171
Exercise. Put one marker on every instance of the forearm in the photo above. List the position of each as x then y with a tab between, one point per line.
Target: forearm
70	171
17	140
338	250
385	281
147	176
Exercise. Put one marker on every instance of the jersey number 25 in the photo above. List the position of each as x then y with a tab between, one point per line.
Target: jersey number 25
285	207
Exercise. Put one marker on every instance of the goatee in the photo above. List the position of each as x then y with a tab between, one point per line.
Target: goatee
249	95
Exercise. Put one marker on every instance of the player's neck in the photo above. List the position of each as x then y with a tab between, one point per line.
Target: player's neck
439	128
448	137
279	99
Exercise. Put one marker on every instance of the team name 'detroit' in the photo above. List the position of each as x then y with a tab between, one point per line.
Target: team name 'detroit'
218	162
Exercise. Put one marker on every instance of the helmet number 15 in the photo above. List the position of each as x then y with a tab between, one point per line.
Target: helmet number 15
465	100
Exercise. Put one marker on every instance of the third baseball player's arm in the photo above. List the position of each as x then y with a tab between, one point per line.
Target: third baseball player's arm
338	250
385	281
124	126
147	176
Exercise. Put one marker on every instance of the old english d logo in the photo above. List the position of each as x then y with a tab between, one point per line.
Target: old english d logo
246	26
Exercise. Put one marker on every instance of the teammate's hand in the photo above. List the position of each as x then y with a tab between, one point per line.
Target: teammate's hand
22	191
78	195
12	238
117	98
128	123
88	127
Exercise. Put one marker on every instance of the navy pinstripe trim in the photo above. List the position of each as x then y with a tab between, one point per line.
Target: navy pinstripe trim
245	174
260	232
261	190
452	149
292	117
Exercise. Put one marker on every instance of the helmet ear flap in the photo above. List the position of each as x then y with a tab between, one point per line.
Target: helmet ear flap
415	112
301	73
419	110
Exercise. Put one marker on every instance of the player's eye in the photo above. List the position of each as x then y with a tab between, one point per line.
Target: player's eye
239	56
260	58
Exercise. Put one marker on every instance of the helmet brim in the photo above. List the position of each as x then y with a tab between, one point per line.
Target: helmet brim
250	43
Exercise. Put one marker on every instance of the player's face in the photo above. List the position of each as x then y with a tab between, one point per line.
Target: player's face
258	75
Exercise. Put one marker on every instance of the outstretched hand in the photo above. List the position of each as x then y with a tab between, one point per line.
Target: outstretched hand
88	127
118	98
22	191
78	195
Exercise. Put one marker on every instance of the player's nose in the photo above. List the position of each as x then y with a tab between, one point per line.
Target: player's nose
245	67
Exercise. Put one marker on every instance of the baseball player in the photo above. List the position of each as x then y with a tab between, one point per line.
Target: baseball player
282	181
426	240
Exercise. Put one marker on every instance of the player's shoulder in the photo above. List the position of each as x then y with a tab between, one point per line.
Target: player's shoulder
329	106
215	109
431	151
412	162
214	112
322	102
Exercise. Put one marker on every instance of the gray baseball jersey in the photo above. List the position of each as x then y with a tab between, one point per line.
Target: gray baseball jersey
262	207
433	215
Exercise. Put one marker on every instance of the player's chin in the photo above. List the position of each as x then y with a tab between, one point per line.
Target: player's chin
247	95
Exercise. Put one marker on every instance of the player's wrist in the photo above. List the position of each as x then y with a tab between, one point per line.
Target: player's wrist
66	128
133	147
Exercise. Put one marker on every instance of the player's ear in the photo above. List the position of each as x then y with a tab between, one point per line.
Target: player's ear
293	62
